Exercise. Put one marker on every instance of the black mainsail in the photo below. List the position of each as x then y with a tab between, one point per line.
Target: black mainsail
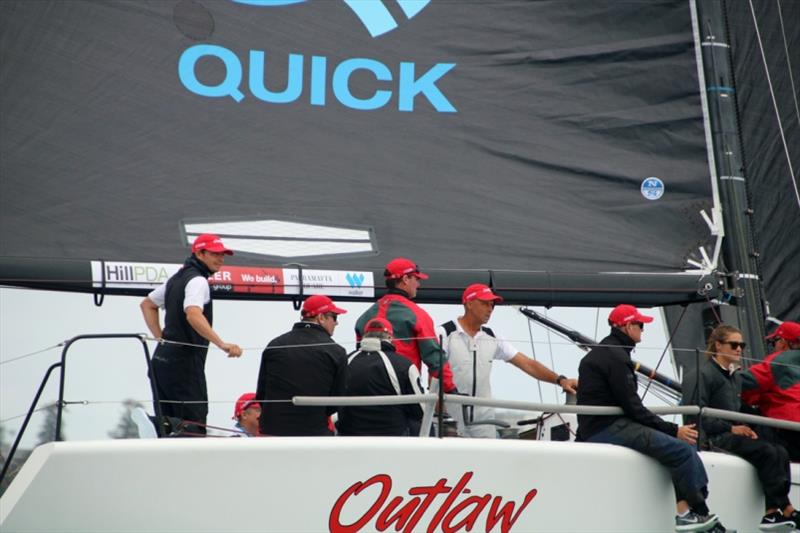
538	146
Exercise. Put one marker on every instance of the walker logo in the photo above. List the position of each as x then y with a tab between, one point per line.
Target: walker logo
329	282
355	280
373	13
458	509
379	83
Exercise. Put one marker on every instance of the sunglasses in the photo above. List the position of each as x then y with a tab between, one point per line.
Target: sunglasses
334	316
735	344
640	324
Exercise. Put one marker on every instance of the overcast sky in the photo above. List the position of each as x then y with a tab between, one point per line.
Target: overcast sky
106	372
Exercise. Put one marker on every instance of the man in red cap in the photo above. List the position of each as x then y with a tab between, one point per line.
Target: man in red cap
414	333
306	361
774	384
247	412
180	358
471	347
607	378
377	370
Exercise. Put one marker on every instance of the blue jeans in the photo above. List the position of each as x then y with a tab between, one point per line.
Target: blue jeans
688	473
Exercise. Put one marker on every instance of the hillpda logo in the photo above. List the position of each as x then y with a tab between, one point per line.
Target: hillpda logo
355	280
402	79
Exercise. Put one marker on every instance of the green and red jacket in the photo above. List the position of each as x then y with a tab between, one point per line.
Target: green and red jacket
414	333
774	385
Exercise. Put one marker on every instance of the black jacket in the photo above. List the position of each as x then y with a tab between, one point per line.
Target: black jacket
606	377
718	389
303	362
367	376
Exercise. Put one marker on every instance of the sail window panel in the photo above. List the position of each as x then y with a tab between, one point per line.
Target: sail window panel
277	228
296	248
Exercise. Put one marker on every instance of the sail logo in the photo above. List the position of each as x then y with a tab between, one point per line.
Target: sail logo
459	510
652	188
374	14
355	280
315	79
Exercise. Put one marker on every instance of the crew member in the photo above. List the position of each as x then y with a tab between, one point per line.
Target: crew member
773	385
179	360
471	347
718	388
607	378
414	333
377	370
306	361
247	413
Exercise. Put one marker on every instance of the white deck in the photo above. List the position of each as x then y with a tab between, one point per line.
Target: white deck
301	484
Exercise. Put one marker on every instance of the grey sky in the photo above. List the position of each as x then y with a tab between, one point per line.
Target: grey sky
105	372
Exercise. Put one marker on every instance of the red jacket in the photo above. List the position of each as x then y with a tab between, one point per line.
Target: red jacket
774	385
414	333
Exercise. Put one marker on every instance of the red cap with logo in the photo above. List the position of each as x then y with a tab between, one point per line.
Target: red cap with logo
479	291
209	242
318	304
400	266
625	314
788	331
245	402
380	325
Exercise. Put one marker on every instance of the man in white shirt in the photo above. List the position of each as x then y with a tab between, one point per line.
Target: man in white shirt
178	365
471	347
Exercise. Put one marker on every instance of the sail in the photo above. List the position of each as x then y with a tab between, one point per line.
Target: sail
515	142
764	44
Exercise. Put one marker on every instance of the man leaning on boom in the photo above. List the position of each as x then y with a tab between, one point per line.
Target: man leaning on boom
607	377
471	347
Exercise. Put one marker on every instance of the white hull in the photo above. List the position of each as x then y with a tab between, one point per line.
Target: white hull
301	485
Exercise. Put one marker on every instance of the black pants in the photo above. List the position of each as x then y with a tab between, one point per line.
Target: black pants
770	460
180	376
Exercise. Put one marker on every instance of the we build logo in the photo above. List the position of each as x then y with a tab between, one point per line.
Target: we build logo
404	79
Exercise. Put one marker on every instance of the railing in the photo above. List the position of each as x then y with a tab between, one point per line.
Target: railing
60	405
429	400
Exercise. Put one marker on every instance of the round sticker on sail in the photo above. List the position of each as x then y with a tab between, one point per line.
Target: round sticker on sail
652	188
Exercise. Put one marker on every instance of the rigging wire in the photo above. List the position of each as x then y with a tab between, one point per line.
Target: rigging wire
552	359
533	354
775	103
663	353
789	63
59	345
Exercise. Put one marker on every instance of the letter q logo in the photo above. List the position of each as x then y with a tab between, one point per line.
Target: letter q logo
372	13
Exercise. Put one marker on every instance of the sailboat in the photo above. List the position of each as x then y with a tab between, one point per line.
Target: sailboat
565	153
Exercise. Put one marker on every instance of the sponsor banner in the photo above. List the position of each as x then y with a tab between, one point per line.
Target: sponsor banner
330	282
257	280
128	275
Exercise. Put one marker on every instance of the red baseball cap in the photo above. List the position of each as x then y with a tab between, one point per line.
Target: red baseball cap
210	242
245	402
400	266
625	314
318	304
479	291
379	324
788	331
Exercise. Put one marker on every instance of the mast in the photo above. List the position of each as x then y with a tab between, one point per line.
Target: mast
739	255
